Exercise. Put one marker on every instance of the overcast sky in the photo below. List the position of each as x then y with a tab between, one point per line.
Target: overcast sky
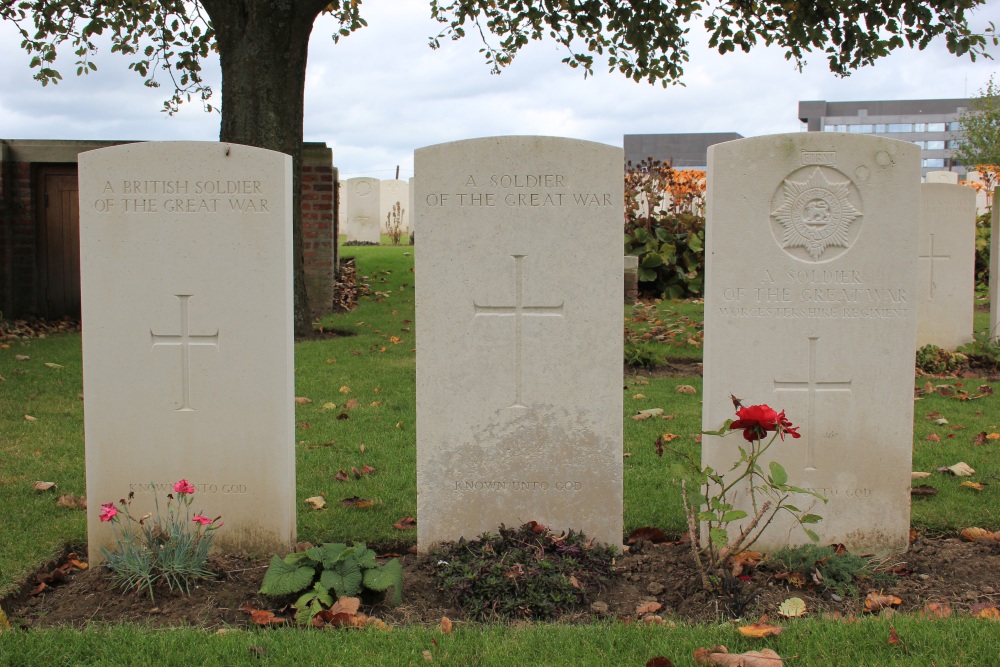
382	92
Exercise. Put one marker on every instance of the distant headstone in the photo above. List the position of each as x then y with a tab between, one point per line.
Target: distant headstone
361	209
947	253
519	347
392	192
995	269
949	177
810	307
186	273
412	218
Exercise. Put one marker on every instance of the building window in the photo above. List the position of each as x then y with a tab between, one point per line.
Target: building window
935	127
900	127
829	128
920	143
933	162
954	126
880	128
919	127
934	145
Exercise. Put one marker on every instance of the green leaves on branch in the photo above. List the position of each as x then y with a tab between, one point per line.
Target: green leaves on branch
648	39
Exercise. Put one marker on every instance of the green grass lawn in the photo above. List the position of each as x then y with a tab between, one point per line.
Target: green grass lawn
371	363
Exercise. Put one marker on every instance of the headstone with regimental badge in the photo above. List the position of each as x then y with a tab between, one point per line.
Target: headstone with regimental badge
519	346
810	307
186	276
947	258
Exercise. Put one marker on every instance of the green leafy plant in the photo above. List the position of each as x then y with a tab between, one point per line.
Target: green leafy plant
983	224
768	491
642	353
155	549
933	359
827	567
665	228
329	571
522	573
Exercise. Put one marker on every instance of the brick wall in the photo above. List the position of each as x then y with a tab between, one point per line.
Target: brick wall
318	225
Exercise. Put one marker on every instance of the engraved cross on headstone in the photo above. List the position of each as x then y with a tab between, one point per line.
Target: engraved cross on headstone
518	311
930	257
812	386
185	340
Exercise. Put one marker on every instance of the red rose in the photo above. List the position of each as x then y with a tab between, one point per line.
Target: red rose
756	421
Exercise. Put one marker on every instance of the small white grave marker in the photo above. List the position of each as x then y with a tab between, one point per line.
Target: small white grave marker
947	259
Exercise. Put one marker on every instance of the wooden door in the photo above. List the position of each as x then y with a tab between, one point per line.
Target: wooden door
57	214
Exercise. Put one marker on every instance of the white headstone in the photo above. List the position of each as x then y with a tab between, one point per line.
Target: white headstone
361	209
950	177
186	276
519	347
995	268
947	253
810	307
391	192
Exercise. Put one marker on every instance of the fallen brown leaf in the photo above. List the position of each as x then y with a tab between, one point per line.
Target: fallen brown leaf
686	389
759	630
936	610
648	608
45	486
262	616
316	502
979	535
357	502
406	523
893	637
720	655
973	485
923	490
302	399
446	625
341	476
986	610
875	601
659	661
71	501
933	437
29	418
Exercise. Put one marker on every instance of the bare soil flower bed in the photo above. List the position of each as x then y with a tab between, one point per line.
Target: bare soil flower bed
945	571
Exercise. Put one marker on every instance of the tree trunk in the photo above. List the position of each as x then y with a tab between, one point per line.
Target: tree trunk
263	47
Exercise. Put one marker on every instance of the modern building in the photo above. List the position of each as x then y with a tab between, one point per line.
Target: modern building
682	151
931	124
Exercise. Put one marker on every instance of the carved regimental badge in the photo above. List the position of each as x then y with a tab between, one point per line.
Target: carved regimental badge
816	208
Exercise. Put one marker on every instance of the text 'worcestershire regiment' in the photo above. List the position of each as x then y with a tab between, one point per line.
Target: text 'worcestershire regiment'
183	196
815	293
518	190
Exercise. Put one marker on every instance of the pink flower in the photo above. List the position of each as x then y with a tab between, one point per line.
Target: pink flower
108	511
184	486
201	519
